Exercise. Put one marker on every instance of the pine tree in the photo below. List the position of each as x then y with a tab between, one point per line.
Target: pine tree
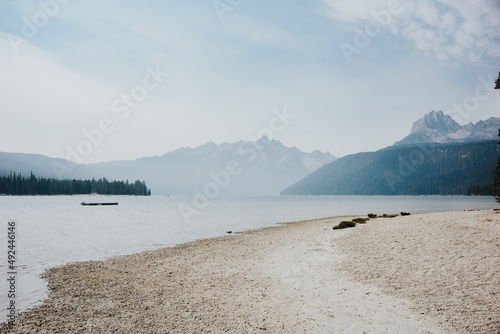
496	180
496	172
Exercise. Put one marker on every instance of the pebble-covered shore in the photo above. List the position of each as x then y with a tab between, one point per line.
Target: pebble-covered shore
425	273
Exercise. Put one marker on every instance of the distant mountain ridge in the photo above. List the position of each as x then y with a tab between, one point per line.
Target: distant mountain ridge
25	163
264	150
425	169
436	127
438	157
267	166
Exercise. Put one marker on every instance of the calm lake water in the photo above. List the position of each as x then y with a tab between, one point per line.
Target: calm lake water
51	231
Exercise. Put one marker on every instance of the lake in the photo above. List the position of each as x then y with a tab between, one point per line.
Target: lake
55	230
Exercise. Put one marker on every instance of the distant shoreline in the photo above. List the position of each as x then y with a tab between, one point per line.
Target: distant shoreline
171	195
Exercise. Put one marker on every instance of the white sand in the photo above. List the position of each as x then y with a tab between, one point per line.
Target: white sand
302	277
448	264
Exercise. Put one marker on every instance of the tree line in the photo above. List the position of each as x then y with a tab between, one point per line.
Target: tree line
17	184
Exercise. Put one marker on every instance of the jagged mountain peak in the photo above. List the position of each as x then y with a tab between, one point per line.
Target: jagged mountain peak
267	166
265	139
436	127
268	149
436	121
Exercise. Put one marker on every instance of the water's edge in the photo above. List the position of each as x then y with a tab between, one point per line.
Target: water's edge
58	231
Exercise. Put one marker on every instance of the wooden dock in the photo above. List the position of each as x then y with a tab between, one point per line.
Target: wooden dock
99	204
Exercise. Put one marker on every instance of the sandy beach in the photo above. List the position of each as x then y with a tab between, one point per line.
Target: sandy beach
424	273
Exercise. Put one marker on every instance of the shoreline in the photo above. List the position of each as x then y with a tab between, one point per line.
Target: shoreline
292	277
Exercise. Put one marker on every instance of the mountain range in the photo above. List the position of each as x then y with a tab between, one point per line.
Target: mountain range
438	157
264	167
436	127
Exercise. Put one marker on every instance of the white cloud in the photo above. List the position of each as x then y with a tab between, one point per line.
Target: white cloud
423	39
447	22
459	29
463	39
427	13
354	10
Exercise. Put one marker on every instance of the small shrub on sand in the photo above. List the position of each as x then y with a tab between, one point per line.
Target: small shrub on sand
405	213
360	220
344	224
372	215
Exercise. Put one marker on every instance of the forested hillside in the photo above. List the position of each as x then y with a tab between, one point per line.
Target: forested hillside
430	169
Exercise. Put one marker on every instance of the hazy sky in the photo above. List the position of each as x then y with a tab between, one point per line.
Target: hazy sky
146	77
